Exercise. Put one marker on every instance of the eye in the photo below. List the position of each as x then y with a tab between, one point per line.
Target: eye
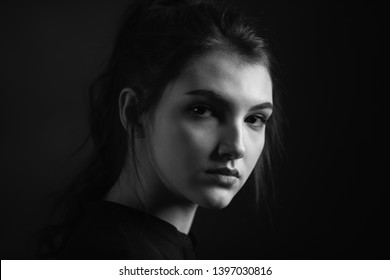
256	120
202	110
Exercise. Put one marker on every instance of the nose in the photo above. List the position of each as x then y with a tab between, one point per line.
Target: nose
232	145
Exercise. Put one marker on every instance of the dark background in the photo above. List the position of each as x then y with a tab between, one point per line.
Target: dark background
332	200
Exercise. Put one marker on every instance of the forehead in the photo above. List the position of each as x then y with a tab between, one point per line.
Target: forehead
226	74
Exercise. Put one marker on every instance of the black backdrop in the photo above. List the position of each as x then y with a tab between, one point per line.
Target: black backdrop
332	201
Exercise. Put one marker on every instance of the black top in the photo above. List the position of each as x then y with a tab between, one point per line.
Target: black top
113	231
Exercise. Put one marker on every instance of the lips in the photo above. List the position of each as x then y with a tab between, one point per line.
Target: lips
224	177
224	171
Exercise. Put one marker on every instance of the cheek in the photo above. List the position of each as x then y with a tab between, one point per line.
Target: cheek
254	147
183	144
196	143
198	136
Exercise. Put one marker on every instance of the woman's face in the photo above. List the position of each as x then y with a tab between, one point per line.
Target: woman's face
208	130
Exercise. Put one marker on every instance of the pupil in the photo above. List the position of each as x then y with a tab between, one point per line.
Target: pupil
199	110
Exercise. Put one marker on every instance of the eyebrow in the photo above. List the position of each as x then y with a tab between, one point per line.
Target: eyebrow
220	99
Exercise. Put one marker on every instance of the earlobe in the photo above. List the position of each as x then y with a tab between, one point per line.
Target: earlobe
128	103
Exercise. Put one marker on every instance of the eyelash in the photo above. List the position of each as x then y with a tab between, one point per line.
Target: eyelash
261	118
207	108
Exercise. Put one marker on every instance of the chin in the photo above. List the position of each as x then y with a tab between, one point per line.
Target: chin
216	200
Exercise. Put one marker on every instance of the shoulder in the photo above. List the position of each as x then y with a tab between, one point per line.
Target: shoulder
114	242
111	234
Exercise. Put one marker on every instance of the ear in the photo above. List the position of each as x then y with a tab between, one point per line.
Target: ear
128	103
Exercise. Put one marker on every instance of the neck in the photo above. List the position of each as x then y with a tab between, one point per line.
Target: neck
153	198
178	216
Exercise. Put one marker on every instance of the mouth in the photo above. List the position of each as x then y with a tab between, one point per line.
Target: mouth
224	171
224	176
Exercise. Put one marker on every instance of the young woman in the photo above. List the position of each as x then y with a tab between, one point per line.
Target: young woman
184	114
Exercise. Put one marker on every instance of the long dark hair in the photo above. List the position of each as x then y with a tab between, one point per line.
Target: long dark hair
156	41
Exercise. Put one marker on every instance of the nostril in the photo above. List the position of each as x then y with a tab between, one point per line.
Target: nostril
231	152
